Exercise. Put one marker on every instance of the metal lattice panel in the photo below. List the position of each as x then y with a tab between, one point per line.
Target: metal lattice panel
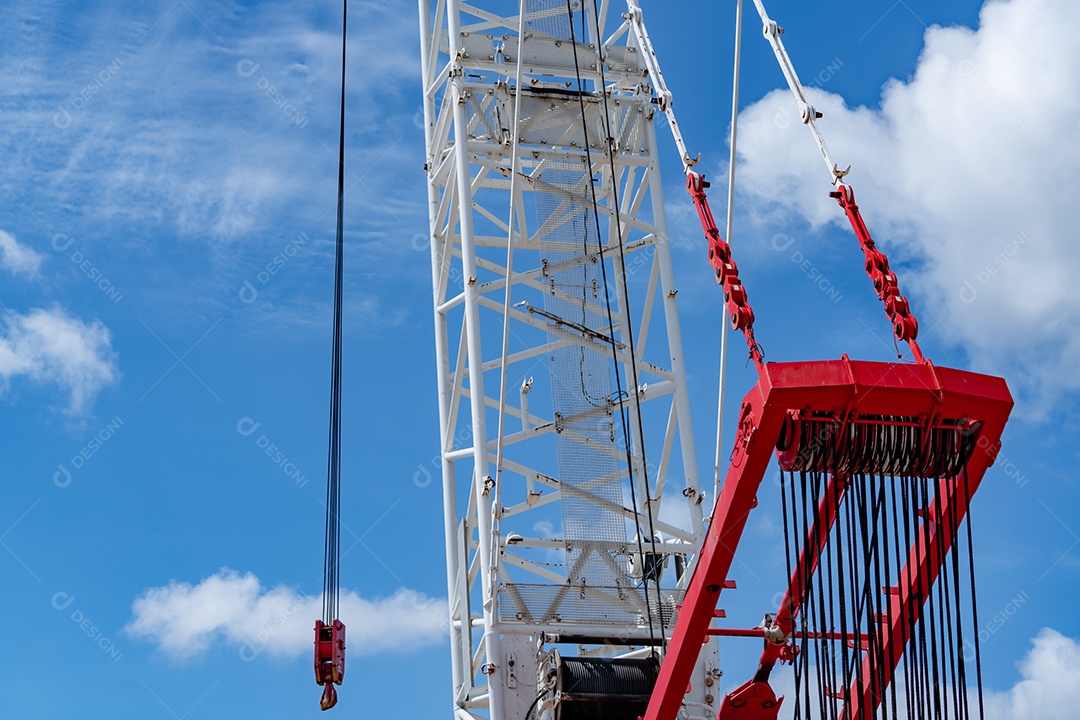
576	604
581	380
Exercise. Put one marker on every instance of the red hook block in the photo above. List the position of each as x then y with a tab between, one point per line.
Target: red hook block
329	659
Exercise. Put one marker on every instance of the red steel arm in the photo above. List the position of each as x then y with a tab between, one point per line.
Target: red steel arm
835	387
754	446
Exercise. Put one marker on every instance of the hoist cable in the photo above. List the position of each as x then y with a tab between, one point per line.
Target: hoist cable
796	662
974	608
871	602
611	323
960	661
610	142
332	543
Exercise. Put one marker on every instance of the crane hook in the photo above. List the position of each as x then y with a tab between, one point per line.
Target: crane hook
329	696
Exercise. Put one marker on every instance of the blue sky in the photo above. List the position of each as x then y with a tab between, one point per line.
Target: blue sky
166	230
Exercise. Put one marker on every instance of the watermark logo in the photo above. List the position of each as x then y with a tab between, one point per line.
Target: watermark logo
62	243
63	117
65	471
996	623
247	68
971	70
969	292
249	291
61	601
782	242
250	649
247	427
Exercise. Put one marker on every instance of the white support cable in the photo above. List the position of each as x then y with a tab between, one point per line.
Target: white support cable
637	24
514	171
807	113
727	234
652	66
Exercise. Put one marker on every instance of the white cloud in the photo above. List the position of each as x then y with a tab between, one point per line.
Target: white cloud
1050	684
970	170
18	259
1048	689
184	620
50	346
209	125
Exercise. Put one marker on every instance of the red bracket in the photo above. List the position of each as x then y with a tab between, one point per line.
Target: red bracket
751	701
740	314
905	326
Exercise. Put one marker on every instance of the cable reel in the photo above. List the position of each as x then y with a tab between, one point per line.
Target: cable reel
593	688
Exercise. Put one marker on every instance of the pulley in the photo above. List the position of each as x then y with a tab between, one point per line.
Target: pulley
875	444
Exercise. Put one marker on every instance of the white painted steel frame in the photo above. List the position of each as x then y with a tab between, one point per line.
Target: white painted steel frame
470	186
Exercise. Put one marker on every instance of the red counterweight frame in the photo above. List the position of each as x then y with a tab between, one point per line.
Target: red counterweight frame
846	389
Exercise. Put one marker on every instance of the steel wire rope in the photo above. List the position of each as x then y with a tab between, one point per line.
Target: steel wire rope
845	667
332	542
787	557
503	362
833	539
728	225
960	662
928	598
974	605
611	324
610	142
945	616
905	630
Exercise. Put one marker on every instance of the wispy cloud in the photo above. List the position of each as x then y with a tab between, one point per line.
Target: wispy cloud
51	347
235	610
18	259
206	133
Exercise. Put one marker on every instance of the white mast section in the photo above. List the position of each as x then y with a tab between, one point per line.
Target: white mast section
538	531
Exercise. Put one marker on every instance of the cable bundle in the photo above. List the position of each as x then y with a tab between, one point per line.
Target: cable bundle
852	632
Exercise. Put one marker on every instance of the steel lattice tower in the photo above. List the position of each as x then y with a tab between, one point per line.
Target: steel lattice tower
532	312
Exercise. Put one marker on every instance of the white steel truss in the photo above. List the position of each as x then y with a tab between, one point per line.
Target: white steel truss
515	157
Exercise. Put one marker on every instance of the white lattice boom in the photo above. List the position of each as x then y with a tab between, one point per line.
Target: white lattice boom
530	297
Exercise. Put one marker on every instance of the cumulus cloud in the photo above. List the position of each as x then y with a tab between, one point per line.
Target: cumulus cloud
1048	688
51	347
968	170
231	609
18	259
1050	684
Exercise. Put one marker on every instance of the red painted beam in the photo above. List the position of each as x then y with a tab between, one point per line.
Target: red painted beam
836	386
754	445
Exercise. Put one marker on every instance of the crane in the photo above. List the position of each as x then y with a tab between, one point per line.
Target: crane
585	558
